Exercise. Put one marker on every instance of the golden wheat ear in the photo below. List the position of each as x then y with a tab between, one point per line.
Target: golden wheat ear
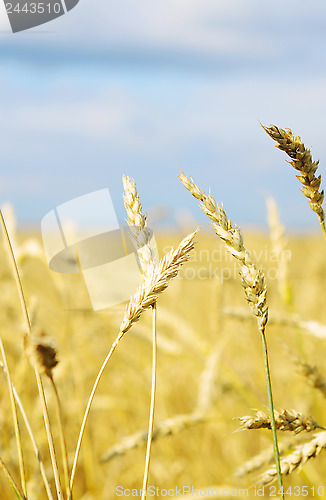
301	160
253	282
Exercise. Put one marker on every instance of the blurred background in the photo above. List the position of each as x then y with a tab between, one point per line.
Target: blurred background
116	88
138	88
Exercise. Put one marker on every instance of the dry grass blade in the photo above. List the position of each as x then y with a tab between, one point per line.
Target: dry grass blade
297	459
164	428
286	420
11	480
301	160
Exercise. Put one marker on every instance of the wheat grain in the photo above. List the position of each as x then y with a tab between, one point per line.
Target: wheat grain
164	428
297	459
146	296
286	420
253	280
137	221
265	457
301	160
309	371
156	282
277	232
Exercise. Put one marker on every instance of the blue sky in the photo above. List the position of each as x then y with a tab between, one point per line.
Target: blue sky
138	88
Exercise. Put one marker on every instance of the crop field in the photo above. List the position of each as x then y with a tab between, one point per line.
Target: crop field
210	371
209	382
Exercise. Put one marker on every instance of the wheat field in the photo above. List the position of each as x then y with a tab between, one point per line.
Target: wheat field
189	386
208	353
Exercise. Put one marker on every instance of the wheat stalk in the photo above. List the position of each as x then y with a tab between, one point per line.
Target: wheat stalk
301	160
168	427
145	297
286	420
31	435
277	232
253	282
298	458
137	221
36	370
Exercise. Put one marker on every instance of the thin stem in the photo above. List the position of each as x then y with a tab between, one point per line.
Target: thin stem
16	274
16	423
14	486
63	444
152	406
37	374
87	410
49	434
322	223
36	450
271	409
12	399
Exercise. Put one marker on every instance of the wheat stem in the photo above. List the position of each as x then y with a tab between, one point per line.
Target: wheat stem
253	282
271	409
16	422
37	374
34	444
138	222
145	297
152	407
62	439
323	227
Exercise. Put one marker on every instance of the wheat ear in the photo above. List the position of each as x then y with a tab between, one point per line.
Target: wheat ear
277	232
137	221
310	372
145	297
301	160
286	420
265	457
298	458
168	427
253	282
